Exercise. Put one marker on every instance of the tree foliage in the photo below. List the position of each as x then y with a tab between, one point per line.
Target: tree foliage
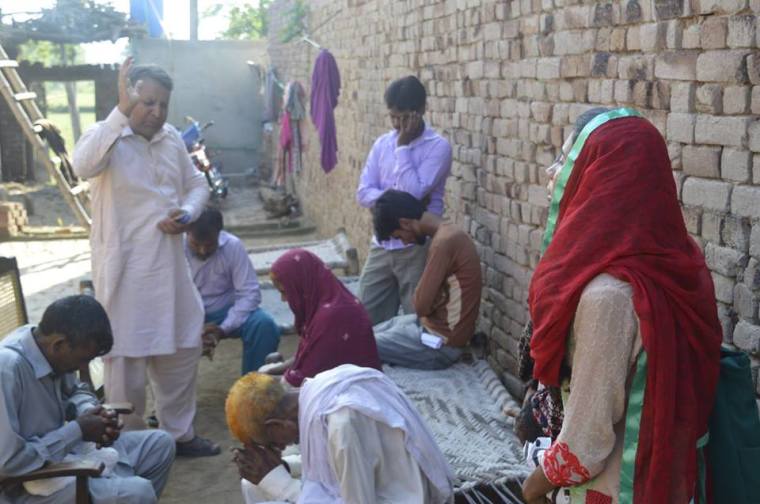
49	53
297	18
247	22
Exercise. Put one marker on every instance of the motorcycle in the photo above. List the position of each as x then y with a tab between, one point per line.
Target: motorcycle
218	186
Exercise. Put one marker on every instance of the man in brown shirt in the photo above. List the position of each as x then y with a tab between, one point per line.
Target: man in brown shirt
447	298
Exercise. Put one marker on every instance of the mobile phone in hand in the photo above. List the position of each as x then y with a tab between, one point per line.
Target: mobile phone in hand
182	218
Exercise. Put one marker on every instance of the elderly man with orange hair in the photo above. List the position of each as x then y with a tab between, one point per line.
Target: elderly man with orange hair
361	440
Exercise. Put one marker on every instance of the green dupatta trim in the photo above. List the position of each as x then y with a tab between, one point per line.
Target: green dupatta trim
632	426
631	439
567	168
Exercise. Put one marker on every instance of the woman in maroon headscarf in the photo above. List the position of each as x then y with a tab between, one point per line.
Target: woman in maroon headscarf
333	325
622	295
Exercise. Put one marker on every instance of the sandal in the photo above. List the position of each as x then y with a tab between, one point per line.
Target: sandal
198	447
152	421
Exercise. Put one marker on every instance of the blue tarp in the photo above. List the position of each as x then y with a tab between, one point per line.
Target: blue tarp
150	13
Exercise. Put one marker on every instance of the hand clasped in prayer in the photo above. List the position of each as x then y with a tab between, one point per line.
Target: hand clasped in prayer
256	461
210	337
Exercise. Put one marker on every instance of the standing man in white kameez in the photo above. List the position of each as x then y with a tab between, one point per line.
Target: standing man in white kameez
145	190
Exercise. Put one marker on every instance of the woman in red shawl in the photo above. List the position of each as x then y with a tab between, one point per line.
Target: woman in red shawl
622	295
334	326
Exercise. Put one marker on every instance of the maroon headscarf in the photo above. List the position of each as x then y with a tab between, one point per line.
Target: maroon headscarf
619	214
334	327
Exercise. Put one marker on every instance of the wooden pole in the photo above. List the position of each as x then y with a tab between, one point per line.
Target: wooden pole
193	19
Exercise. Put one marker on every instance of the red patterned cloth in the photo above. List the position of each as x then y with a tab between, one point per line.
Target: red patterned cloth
563	468
594	497
620	215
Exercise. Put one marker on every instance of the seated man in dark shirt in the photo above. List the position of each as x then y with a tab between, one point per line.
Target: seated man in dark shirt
447	298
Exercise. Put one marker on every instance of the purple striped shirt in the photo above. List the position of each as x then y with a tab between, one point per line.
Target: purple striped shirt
419	168
227	278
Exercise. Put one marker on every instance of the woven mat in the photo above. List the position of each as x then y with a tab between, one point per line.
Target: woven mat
463	406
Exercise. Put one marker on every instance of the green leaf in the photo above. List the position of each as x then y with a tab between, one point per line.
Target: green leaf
248	22
296	27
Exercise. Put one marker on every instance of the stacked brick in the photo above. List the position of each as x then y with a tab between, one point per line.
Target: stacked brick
13	218
507	79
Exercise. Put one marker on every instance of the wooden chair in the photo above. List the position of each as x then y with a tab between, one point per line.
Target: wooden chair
13	315
12	305
80	470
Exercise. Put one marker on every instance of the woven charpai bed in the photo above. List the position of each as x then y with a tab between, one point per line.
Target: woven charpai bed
463	406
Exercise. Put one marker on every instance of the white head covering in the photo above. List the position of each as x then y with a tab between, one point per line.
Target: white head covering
373	394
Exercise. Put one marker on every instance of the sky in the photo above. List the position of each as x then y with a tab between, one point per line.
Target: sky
176	21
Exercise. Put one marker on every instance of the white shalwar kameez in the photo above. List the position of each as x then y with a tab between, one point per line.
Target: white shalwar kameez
362	441
140	274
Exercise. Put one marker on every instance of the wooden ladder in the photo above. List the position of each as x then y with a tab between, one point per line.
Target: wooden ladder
24	107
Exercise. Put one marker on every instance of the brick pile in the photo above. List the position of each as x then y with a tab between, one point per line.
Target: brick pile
13	218
507	79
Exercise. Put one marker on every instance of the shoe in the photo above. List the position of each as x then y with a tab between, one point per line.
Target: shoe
198	447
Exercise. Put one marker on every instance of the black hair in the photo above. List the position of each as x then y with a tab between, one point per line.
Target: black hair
81	319
392	206
155	72
207	225
406	94
582	120
526	427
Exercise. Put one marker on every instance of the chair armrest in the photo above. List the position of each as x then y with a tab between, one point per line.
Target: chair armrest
56	470
122	408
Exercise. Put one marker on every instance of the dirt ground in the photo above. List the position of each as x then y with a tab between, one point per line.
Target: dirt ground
44	204
215	479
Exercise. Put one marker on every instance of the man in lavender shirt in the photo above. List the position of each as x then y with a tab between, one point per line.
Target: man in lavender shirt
227	283
415	159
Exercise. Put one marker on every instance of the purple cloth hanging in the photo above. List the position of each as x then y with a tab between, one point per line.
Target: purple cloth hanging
325	88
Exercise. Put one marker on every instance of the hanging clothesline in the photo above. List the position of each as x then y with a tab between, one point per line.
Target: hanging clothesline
274	78
306	39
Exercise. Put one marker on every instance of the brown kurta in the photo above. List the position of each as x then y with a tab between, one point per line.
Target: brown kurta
447	299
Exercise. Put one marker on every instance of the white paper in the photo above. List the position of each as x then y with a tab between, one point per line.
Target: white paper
431	340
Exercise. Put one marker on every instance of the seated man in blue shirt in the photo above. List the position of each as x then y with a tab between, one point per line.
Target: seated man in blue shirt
227	282
48	416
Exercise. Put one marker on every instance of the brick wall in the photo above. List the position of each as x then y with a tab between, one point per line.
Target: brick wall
506	79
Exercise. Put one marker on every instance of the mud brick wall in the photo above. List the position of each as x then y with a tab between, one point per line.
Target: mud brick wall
506	80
